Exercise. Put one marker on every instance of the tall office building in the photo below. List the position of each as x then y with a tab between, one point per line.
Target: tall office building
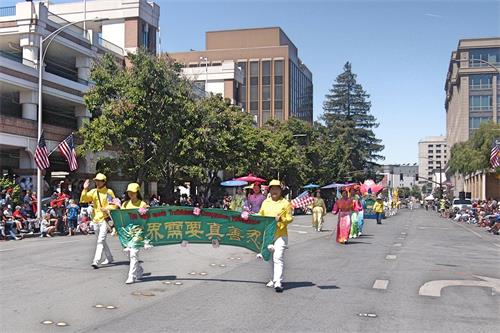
433	155
128	24
472	87
276	84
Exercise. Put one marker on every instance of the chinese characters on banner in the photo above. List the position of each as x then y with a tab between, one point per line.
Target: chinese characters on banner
173	225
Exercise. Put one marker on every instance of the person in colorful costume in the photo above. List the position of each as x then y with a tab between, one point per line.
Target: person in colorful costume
319	211
343	207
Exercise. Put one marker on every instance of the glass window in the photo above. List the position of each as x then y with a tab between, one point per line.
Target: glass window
477	57
480	103
243	88
480	81
266	89
278	89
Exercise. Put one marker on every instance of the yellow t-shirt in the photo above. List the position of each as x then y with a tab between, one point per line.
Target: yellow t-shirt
93	196
378	207
131	205
274	208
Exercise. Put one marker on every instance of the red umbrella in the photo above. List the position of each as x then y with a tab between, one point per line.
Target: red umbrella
251	179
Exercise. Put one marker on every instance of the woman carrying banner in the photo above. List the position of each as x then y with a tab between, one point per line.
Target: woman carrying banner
101	197
343	207
319	211
279	208
133	200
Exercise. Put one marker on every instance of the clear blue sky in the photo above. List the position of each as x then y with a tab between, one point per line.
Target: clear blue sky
400	50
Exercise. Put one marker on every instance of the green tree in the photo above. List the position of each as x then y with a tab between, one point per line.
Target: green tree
140	113
349	128
218	141
474	154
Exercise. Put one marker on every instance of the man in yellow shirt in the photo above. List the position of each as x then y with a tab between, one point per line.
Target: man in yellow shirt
279	208
102	198
378	208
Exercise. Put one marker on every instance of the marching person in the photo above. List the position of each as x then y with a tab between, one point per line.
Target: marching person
133	200
101	197
378	208
343	207
319	211
279	208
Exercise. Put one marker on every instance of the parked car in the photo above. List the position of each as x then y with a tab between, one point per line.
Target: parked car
462	203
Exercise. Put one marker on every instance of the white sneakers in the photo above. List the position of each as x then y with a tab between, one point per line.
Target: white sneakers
130	280
106	261
270	284
277	286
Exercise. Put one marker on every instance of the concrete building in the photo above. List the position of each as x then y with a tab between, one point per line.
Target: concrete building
129	24
400	175
276	84
472	97
224	78
472	87
433	154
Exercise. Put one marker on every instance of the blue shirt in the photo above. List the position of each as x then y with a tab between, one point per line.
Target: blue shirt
72	211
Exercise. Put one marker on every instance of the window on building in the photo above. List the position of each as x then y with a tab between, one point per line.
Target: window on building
144	34
266	91
475	122
480	103
243	88
438	151
477	82
430	146
254	89
278	89
438	146
490	55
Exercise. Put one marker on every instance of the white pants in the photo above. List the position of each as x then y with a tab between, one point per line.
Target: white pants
101	231
278	261
135	271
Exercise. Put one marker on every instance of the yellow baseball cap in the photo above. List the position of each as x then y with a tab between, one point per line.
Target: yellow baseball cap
275	182
133	187
100	176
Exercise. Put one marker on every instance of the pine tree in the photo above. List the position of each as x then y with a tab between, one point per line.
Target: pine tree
350	127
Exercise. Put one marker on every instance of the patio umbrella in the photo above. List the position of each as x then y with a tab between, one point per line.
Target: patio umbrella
251	179
234	183
337	185
310	186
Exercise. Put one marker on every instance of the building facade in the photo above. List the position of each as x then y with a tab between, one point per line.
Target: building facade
472	87
225	79
400	175
433	155
276	84
66	69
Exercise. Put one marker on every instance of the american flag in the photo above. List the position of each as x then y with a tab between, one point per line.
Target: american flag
495	154
67	148
42	154
303	200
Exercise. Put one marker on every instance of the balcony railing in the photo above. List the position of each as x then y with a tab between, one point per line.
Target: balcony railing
17	57
8	11
73	28
110	46
476	63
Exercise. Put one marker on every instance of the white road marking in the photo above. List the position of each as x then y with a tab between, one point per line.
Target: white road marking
73	241
298	231
380	284
433	288
6	250
403	233
391	257
461	226
397	244
401	238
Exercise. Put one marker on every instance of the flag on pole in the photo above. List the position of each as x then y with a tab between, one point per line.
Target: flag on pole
303	200
495	154
42	154
67	149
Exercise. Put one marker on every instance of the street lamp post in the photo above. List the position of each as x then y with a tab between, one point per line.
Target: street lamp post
41	57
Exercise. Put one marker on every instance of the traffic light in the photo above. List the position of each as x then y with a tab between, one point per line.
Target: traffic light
416	177
401	178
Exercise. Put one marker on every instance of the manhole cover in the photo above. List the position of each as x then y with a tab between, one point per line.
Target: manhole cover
47	322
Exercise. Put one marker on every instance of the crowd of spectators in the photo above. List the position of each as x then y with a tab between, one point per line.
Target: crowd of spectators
483	213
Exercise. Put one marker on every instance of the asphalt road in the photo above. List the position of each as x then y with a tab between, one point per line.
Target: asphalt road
370	285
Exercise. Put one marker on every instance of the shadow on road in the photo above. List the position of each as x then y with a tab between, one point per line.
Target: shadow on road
301	284
328	287
157	278
356	242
